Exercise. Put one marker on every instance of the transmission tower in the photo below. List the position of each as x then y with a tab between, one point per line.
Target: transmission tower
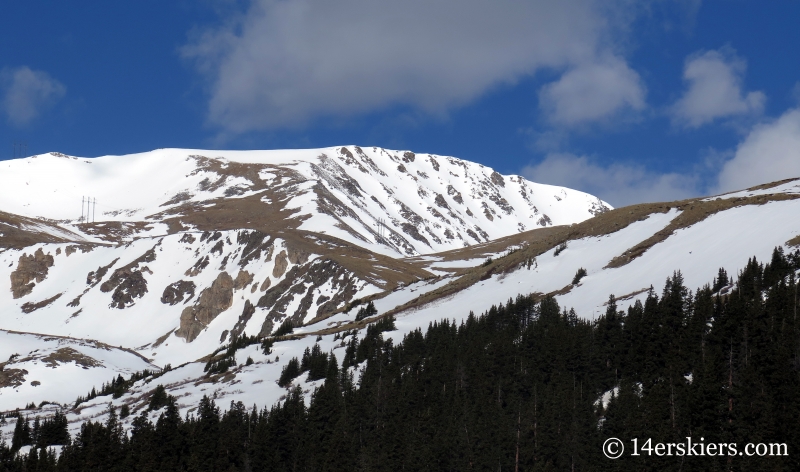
20	149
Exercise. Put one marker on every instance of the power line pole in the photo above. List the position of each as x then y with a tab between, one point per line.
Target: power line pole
382	228
81	220
20	149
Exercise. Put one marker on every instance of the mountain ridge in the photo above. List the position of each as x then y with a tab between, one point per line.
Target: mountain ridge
388	201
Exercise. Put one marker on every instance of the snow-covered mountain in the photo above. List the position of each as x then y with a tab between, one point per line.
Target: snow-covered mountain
201	250
185	250
390	202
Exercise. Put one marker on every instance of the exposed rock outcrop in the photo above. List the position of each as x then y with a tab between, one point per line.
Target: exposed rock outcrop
211	302
255	242
242	280
175	292
281	262
65	355
265	284
31	307
198	267
306	279
127	282
247	313
30	271
95	276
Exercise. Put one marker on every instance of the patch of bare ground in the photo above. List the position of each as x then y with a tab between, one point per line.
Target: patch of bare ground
12	377
83	248
31	307
175	292
66	355
225	169
115	232
383	271
265	210
771	185
18	232
628	296
94	277
794	242
483	250
162	338
345	261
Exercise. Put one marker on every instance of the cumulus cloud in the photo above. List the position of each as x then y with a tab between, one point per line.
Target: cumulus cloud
592	91
27	92
770	152
714	80
286	63
618	184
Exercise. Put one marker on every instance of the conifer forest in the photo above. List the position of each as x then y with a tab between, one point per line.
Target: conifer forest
526	386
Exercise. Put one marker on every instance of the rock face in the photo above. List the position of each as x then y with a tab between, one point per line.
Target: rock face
247	313
281	262
242	280
212	301
127	282
30	271
176	291
94	277
305	280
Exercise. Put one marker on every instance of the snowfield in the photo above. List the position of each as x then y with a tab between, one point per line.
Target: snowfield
50	369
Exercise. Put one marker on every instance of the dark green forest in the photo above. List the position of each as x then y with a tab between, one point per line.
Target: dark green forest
513	389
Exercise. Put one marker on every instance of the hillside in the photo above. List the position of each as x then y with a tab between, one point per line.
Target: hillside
183	252
182	269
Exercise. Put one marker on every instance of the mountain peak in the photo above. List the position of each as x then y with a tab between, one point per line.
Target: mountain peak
393	202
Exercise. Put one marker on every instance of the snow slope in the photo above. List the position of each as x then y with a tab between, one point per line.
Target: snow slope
154	288
53	369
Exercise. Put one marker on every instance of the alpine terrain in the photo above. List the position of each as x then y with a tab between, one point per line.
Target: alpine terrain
142	284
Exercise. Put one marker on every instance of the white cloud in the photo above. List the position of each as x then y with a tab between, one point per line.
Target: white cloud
715	90
617	184
592	91
27	93
285	63
770	152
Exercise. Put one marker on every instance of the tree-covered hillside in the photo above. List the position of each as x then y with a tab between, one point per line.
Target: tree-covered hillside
517	388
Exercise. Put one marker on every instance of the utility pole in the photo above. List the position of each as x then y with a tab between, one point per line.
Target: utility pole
82	198
20	149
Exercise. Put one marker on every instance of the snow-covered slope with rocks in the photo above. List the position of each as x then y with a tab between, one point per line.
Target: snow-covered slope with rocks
174	278
391	202
186	250
42	368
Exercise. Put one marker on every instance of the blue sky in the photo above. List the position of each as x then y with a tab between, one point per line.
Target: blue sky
631	101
